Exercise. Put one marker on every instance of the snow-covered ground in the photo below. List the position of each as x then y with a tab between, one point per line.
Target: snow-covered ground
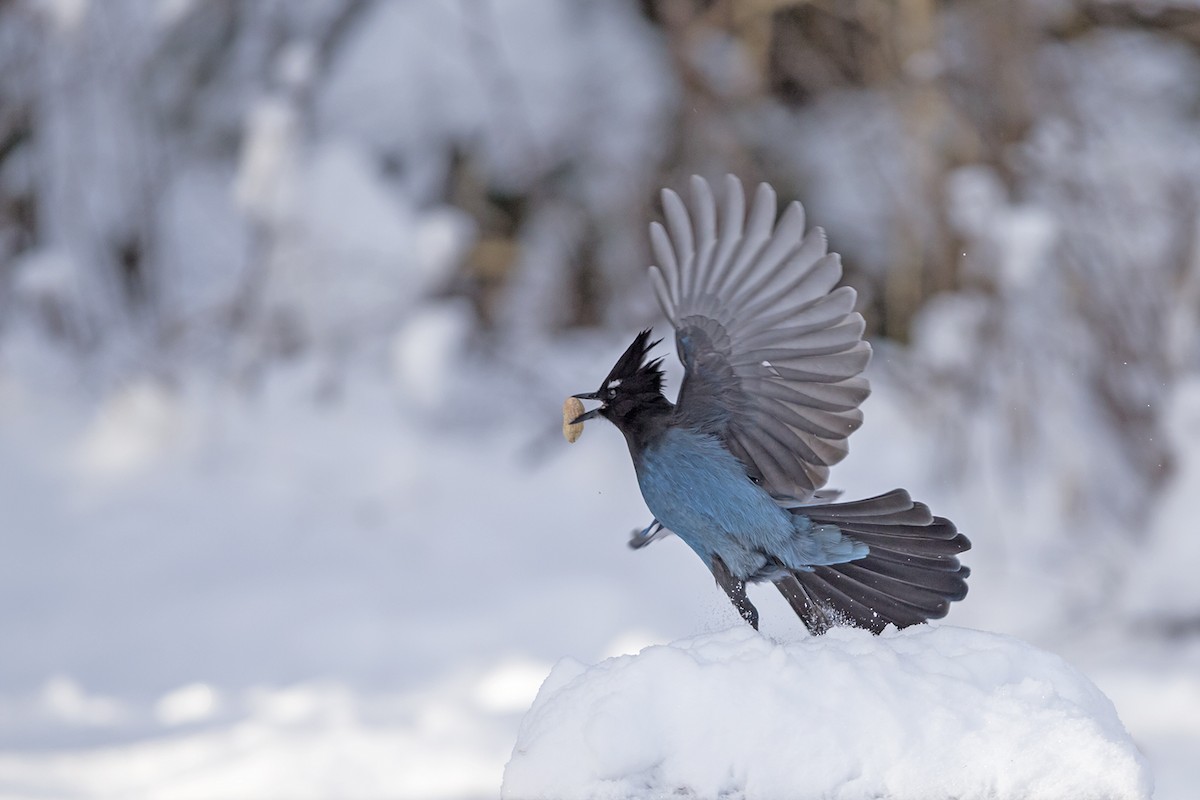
283	592
925	713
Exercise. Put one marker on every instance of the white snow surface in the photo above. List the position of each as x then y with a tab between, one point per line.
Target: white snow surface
924	713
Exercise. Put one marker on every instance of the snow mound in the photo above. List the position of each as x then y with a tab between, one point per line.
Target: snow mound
924	713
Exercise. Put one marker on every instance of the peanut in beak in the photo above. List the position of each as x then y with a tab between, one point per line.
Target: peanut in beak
572	408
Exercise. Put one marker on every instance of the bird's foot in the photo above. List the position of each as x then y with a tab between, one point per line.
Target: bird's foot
655	530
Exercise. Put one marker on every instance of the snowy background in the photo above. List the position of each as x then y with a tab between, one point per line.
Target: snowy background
291	292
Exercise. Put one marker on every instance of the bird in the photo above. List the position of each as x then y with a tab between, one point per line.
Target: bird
772	352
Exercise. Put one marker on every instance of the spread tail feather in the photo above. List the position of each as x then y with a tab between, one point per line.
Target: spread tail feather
911	574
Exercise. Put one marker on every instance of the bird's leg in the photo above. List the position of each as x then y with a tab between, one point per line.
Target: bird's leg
640	539
816	620
736	589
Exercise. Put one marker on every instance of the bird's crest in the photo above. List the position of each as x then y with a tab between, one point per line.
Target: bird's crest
632	373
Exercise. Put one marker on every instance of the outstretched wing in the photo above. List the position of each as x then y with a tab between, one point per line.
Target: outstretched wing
772	351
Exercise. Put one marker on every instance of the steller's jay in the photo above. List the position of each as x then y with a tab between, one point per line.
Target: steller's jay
772	354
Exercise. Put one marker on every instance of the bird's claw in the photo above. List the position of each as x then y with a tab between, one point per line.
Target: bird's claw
645	536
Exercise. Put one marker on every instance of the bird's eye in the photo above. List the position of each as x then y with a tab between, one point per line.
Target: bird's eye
611	393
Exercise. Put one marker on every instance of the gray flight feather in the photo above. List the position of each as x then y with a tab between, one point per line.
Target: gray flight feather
772	351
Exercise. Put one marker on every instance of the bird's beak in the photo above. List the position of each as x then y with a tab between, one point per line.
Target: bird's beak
590	414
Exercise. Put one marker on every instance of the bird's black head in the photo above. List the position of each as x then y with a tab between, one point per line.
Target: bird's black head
633	385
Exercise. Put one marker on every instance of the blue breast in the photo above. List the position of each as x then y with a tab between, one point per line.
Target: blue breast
696	488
